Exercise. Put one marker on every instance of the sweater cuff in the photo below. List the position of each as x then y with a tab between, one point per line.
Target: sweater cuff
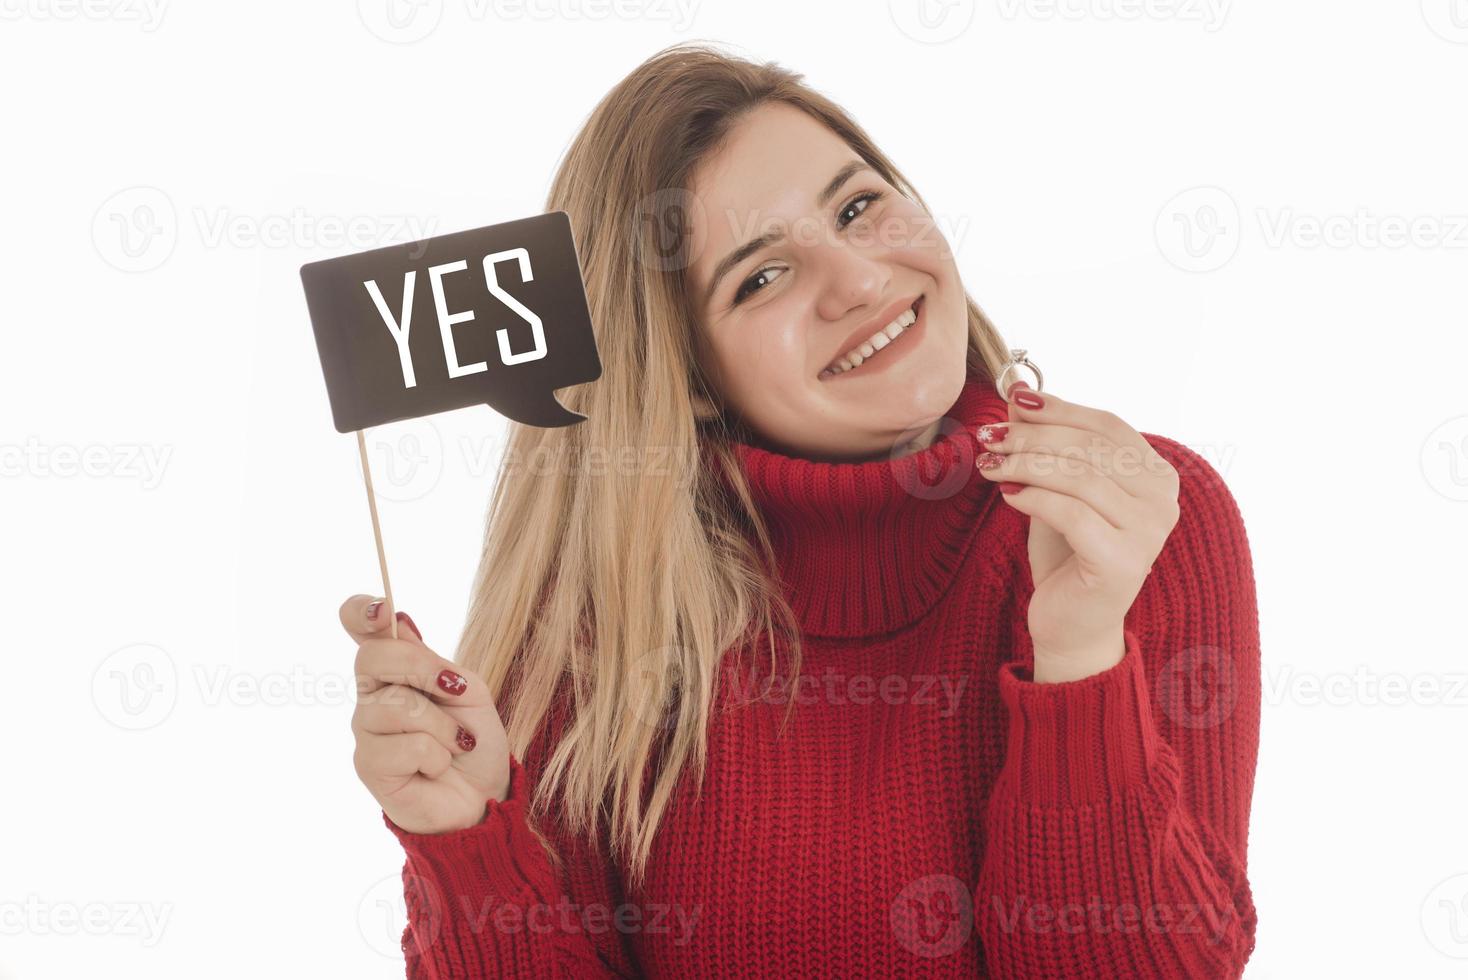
499	856
1078	741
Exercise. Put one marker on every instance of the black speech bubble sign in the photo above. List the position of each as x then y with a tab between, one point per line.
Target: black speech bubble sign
498	316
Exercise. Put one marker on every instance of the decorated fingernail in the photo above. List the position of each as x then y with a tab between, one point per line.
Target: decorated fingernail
992	433
987	461
465	740
1025	397
374	609
407	621
452	683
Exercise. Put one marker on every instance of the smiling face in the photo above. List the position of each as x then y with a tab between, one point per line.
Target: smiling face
830	305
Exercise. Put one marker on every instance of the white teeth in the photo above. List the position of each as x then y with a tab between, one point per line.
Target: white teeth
876	342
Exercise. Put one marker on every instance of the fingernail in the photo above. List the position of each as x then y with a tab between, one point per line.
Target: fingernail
992	433
452	682
373	608
407	621
1025	397
465	740
987	461
1011	487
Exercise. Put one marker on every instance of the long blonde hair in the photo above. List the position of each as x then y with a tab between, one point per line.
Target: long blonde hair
619	566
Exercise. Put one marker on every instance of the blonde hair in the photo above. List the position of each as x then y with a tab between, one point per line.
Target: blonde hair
607	595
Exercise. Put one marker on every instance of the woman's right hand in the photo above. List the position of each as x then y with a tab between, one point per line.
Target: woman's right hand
431	748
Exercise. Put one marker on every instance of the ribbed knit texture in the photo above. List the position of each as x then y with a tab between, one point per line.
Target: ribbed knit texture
930	811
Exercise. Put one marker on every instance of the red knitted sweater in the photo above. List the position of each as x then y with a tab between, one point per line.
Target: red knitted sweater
930	811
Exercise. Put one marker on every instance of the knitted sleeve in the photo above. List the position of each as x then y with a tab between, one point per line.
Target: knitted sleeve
1117	829
488	902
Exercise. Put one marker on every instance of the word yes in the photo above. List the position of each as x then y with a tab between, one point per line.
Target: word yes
400	326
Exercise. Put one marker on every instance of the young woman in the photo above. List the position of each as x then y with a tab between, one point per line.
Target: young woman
796	680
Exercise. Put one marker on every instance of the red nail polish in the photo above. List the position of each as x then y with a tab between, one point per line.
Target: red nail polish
1027	398
1008	487
452	682
987	461
407	621
465	740
992	433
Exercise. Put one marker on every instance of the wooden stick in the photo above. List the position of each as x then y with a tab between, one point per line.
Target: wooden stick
377	533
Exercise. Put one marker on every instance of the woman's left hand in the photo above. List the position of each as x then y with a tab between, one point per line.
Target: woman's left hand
1101	501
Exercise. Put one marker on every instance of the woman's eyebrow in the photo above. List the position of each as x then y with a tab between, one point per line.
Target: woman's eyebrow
742	252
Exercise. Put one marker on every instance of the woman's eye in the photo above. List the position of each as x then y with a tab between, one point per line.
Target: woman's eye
763	277
853	210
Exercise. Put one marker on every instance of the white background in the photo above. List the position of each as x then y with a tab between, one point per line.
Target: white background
180	520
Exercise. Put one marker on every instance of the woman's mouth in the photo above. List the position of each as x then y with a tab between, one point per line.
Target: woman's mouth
875	348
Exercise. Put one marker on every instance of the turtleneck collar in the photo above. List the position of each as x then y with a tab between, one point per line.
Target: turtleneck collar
868	548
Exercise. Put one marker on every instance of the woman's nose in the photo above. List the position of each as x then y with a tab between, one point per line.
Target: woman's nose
852	280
